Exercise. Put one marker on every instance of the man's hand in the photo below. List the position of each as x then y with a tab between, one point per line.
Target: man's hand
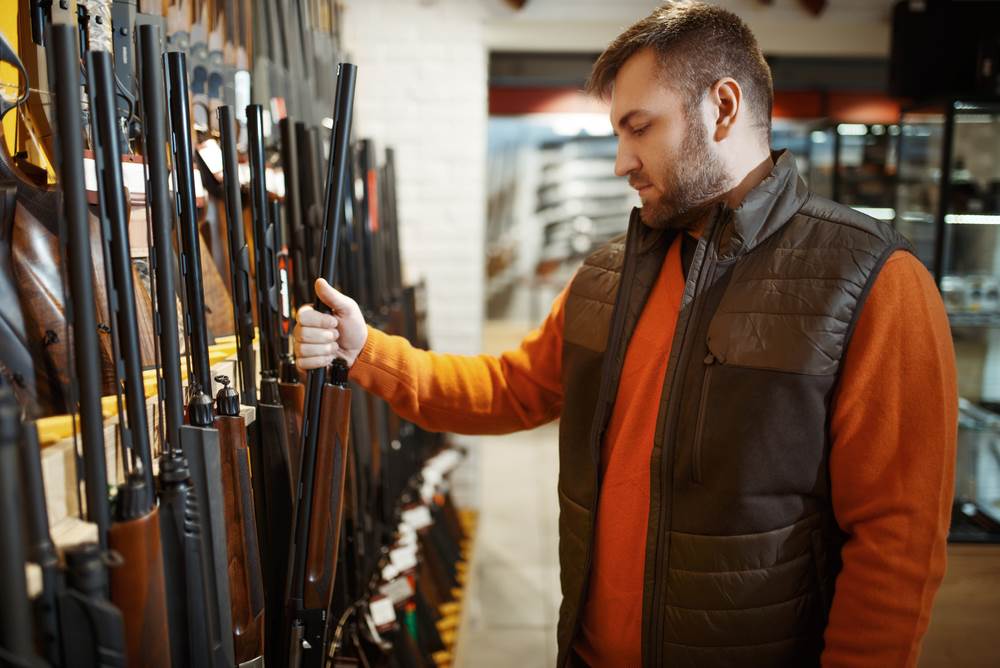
320	337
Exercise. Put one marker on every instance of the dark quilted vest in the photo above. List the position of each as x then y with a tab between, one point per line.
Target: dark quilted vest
742	549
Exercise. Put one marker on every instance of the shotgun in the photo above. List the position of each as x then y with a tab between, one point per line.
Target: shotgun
180	523
199	438
139	589
311	586
273	487
77	624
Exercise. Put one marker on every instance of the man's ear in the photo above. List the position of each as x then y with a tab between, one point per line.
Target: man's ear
726	99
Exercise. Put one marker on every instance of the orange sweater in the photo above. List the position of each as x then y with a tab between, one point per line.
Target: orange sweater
894	432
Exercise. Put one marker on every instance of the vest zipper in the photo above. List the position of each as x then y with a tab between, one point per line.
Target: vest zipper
653	630
700	428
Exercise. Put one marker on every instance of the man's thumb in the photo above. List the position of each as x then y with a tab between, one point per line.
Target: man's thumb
331	297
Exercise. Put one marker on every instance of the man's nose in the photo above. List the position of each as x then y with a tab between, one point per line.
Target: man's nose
626	161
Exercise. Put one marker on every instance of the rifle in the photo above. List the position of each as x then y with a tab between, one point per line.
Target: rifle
135	534
192	629
16	647
200	440
311	586
245	573
271	456
77	625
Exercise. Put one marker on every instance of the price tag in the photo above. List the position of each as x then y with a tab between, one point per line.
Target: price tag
382	611
390	572
404	558
418	518
399	590
211	154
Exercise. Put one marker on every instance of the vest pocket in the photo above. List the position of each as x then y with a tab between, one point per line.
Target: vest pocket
706	384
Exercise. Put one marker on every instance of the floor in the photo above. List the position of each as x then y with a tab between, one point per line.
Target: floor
512	601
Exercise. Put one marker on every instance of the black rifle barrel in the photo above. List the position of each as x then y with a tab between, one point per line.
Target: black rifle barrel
261	212
180	139
239	257
15	613
293	201
333	210
155	141
100	71
86	347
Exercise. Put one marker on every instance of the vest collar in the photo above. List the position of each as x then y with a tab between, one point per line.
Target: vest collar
766	208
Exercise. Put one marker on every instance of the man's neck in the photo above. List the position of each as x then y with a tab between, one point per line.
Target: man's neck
757	174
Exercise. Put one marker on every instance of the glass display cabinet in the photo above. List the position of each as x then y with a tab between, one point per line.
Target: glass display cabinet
948	205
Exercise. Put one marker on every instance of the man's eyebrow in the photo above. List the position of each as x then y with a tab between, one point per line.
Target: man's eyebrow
628	116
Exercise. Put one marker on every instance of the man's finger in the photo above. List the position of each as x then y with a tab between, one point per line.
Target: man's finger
314	349
331	297
315	335
310	317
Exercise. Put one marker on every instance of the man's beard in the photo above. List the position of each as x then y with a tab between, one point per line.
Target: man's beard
689	188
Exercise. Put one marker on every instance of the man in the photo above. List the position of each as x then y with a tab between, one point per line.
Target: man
756	389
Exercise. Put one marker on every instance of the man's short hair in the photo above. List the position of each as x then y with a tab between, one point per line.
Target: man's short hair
696	44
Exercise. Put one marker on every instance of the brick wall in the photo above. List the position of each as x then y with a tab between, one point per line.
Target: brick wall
422	88
422	69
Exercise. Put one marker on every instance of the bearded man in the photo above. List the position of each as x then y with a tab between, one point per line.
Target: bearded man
756	388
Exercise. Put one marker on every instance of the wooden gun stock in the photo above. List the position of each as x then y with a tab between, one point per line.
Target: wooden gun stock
293	398
139	591
328	507
246	587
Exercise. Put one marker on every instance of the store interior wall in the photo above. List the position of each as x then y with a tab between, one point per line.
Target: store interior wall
422	90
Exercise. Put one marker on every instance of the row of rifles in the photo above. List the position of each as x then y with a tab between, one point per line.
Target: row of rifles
314	529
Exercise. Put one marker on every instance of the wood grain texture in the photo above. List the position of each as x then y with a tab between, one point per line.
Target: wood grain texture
293	398
246	588
138	590
328	493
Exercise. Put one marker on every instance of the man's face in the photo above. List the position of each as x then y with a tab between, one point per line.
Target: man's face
663	146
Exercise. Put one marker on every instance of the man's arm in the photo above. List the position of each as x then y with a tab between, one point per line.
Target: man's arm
477	394
892	469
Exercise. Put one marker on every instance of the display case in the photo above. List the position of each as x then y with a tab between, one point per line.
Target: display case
948	205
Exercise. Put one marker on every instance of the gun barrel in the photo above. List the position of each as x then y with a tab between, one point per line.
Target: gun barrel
260	209
155	138
180	139
114	219
86	347
311	621
239	257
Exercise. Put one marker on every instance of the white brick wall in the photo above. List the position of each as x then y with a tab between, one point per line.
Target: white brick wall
422	88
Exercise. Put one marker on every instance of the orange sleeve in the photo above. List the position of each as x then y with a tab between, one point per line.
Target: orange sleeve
892	469
478	394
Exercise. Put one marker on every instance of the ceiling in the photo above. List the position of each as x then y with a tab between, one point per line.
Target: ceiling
783	27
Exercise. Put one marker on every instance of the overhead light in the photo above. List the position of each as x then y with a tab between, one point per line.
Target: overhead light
852	129
972	219
877	213
818	137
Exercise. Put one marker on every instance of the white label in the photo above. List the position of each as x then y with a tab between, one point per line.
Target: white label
211	155
398	590
382	611
418	518
390	572
404	558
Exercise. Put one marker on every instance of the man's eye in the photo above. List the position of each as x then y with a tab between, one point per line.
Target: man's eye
638	132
